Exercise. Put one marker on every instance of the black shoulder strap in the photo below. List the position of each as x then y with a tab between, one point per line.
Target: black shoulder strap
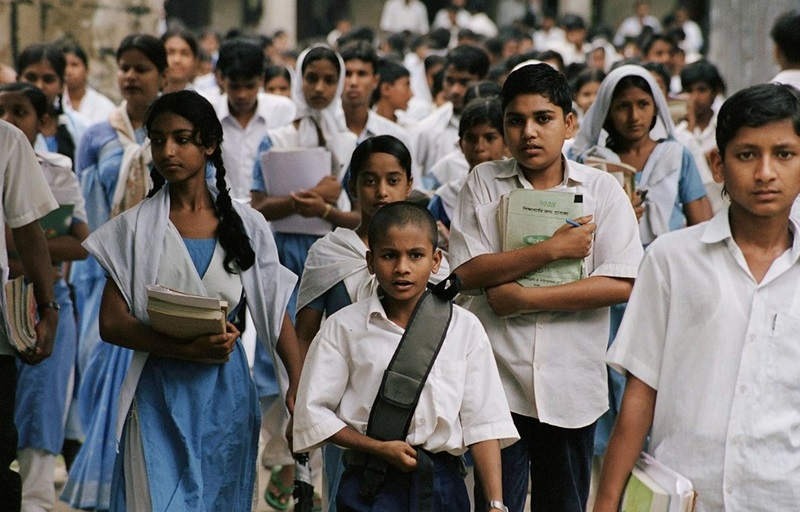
405	377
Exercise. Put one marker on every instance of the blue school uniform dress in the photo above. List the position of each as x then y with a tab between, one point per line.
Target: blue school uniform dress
197	423
101	366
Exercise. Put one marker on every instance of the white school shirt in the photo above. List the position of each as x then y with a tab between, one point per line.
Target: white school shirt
94	107
551	363
788	77
379	125
632	26
437	136
462	402
240	145
722	351
398	16
26	198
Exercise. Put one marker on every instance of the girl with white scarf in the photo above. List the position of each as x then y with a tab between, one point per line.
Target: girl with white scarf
628	107
319	122
190	410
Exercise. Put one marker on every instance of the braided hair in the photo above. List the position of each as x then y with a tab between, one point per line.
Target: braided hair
208	132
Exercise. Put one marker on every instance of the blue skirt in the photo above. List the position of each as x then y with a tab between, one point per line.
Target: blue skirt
89	482
199	428
42	389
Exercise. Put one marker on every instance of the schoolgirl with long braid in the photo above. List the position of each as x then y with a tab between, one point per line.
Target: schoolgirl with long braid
190	433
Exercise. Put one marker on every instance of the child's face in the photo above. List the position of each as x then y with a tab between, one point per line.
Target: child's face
75	73
16	108
701	96
482	143
242	94
535	130
360	81
177	154
279	85
632	112
43	75
397	93
382	181
403	260
586	95
761	169
456	83
181	62
319	83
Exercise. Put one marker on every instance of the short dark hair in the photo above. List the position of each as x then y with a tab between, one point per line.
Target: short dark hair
757	106
481	111
38	52
539	79
187	36
360	50
648	44
76	50
35	95
388	144
785	34
240	59
469	58
702	71
274	70
390	70
587	76
150	46
401	214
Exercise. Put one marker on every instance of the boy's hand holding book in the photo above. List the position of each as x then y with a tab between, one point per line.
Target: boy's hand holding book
570	242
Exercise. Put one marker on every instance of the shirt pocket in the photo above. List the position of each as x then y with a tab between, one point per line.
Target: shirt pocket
447	379
783	351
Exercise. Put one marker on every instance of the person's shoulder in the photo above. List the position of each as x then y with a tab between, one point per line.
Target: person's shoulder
678	242
491	169
55	160
10	135
272	101
253	220
348	320
99	133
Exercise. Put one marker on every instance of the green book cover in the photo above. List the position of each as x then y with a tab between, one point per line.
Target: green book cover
532	216
643	494
57	222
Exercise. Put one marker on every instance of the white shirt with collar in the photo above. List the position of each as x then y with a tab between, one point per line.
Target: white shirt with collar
240	144
551	363
379	125
722	351
789	77
400	15
462	402
700	143
632	26
436	137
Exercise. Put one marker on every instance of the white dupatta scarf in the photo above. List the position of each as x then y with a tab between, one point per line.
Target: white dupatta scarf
659	176
130	247
133	182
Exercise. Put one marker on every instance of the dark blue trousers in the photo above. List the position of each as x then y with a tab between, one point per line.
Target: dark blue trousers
558	461
10	484
399	490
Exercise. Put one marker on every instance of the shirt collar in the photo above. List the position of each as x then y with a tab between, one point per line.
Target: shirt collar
718	229
574	173
375	308
225	112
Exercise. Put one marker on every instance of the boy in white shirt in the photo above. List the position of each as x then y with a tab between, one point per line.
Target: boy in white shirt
461	403
550	355
709	338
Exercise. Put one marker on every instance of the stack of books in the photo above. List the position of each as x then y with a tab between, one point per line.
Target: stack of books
21	309
654	487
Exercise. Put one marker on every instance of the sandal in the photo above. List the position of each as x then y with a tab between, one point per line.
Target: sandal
282	499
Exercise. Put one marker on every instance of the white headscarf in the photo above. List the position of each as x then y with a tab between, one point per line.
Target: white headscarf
339	140
665	160
592	125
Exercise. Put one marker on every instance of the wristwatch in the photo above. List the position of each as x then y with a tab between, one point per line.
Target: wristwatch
48	305
497	505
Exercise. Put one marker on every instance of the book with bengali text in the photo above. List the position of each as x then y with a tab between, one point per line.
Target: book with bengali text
528	217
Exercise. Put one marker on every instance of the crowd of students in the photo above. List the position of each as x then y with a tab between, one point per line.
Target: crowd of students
427	132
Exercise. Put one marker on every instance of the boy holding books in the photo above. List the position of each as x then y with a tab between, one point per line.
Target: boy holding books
461	402
549	341
709	339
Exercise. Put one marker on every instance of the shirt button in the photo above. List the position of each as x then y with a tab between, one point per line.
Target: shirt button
729	489
538	366
742	389
422	421
540	325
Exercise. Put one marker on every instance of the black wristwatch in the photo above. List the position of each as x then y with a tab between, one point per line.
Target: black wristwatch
48	305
